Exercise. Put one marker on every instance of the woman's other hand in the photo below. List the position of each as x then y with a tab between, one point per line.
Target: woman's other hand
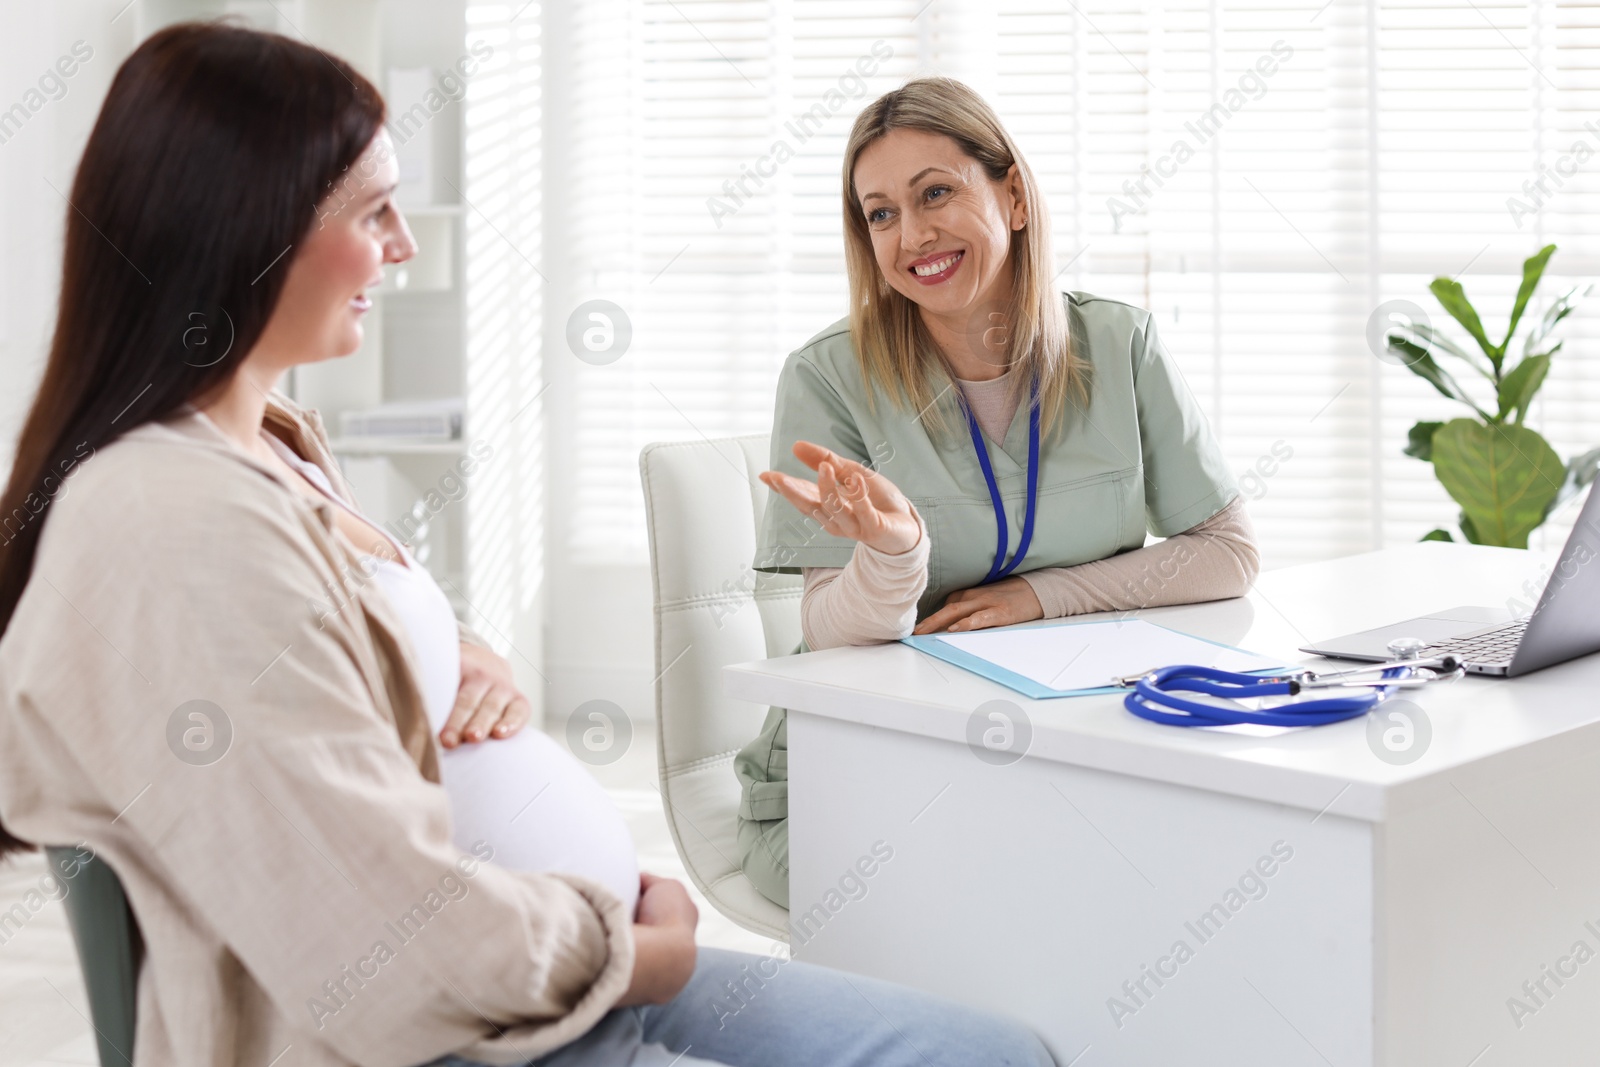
1001	604
488	704
849	500
663	939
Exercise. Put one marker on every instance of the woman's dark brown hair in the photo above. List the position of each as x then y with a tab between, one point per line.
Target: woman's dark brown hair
204	169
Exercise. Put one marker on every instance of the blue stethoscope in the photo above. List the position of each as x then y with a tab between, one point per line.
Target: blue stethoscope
1003	536
1155	693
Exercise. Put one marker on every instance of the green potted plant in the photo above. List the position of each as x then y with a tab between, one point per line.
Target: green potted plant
1505	476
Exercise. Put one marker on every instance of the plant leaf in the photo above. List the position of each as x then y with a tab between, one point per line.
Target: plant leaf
1467	530
1419	441
1424	336
1420	363
1517	388
1580	472
1503	476
1438	534
1560	309
1454	298
1532	271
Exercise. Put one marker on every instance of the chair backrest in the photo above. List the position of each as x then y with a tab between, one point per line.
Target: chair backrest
702	505
110	949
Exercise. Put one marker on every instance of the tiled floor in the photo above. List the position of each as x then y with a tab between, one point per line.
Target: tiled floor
43	1012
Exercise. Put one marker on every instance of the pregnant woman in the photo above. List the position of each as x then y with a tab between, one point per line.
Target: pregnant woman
525	797
220	678
971	448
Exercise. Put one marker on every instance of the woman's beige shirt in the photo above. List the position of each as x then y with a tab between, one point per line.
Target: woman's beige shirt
299	897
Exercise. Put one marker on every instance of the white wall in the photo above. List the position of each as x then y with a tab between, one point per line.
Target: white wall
599	635
43	152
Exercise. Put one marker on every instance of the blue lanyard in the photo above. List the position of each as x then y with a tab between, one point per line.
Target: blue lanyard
1003	536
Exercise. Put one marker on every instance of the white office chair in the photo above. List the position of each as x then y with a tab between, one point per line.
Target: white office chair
702	503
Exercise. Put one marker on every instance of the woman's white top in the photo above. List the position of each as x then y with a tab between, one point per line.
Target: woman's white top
525	795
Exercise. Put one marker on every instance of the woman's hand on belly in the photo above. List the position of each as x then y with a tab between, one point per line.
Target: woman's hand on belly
1000	604
488	704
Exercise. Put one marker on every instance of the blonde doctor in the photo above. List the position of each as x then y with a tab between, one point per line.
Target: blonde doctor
970	447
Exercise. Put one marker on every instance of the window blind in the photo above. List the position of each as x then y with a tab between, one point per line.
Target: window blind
1262	177
501	210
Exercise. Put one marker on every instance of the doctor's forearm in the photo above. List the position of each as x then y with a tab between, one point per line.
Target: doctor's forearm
871	600
1212	561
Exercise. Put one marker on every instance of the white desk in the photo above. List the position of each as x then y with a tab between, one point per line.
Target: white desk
1419	898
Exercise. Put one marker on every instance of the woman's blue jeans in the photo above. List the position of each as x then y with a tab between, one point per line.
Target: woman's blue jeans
761	1011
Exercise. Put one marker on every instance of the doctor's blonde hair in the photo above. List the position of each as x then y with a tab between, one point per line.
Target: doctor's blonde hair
897	353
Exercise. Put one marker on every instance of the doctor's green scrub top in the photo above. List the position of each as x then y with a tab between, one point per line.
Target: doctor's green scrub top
1140	456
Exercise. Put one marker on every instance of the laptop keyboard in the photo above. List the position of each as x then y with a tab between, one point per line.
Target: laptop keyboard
1495	646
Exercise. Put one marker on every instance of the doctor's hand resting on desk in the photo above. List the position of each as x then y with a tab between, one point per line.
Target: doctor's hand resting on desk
998	604
852	500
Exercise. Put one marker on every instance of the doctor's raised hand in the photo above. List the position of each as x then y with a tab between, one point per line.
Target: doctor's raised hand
849	499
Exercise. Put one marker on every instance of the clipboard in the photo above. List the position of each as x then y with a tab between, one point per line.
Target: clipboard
1068	659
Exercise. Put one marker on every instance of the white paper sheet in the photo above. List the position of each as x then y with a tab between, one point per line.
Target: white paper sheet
1090	654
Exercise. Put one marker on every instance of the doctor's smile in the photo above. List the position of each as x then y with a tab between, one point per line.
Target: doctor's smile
930	270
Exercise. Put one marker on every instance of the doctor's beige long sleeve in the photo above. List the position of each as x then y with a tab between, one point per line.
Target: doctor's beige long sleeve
874	598
871	600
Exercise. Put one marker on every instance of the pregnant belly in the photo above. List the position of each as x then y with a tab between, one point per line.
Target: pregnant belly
540	810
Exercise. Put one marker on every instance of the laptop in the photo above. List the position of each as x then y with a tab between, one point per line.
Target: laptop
1565	624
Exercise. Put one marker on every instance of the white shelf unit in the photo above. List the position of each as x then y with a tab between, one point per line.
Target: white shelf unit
415	337
395	446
